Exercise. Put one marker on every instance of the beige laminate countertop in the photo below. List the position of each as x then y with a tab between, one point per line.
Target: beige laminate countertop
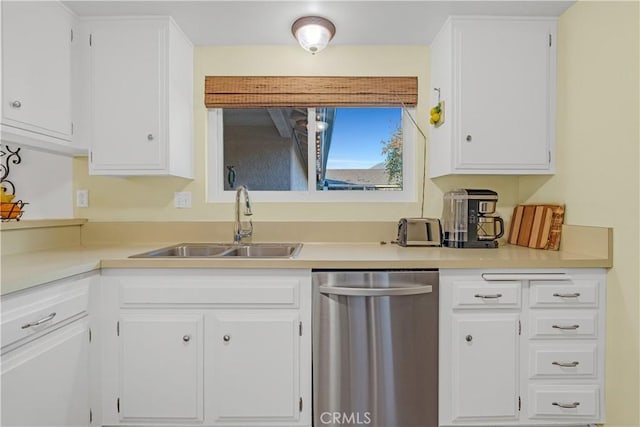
22	271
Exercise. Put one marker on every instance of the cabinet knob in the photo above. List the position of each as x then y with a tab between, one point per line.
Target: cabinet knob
16	104
468	138
468	338
226	338
186	338
150	137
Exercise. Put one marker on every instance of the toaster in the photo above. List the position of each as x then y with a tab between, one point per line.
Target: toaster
419	232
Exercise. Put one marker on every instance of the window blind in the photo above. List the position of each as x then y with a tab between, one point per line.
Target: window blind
296	91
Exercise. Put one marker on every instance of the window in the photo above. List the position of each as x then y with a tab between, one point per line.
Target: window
359	148
312	154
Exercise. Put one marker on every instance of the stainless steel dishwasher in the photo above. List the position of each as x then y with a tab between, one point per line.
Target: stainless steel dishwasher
375	348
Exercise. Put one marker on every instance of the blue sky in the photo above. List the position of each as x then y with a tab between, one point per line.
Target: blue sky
355	142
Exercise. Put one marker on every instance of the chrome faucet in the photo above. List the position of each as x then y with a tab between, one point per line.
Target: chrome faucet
238	232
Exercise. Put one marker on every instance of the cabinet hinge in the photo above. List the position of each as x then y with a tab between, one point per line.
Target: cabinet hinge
89	334
549	157
90	156
118	405
300	405
90	39
519	403
71	128
300	328
550	40
72	35
90	416
118	328
519	327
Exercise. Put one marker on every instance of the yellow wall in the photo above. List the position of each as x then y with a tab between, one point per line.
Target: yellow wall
598	171
151	199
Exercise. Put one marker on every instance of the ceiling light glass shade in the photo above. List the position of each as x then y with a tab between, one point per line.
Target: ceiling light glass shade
313	32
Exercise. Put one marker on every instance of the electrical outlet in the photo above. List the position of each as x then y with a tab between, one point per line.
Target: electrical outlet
182	199
82	198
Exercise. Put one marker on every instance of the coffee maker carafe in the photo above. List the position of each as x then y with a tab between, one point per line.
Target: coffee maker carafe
468	220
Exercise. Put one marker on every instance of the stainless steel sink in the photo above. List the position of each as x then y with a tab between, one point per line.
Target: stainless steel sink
215	250
185	250
265	251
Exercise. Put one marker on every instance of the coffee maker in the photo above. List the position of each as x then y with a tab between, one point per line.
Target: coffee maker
468	220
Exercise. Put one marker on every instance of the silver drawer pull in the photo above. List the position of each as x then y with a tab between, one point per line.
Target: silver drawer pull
574	295
566	405
488	296
525	276
566	327
186	338
566	364
39	322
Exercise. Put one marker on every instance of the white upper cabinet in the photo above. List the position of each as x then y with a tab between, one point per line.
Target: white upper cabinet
141	83
37	50
496	77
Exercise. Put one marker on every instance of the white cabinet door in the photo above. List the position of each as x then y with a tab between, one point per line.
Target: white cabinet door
504	85
36	69
497	78
46	382
161	367
254	366
128	78
485	366
141	83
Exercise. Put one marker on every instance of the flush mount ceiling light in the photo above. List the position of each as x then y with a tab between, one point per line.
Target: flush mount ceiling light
313	32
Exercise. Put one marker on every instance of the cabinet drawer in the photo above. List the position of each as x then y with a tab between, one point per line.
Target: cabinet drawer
226	292
560	325
29	314
486	294
564	402
583	293
576	361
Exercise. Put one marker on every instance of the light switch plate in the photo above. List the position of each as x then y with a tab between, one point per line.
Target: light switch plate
82	198
182	199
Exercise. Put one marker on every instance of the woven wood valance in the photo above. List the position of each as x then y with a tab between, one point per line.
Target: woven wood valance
257	92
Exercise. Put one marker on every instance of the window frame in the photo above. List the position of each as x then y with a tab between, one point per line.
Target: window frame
215	171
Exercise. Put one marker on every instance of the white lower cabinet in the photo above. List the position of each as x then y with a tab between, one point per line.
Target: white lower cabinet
207	347
485	366
256	371
45	360
161	366
522	347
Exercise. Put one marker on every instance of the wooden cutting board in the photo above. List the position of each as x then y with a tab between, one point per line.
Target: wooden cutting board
537	226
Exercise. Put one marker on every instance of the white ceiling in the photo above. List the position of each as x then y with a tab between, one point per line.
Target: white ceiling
239	22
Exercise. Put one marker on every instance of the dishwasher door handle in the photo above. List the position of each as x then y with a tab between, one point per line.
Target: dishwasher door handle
375	292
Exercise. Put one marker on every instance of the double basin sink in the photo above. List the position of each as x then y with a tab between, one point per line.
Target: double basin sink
225	250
